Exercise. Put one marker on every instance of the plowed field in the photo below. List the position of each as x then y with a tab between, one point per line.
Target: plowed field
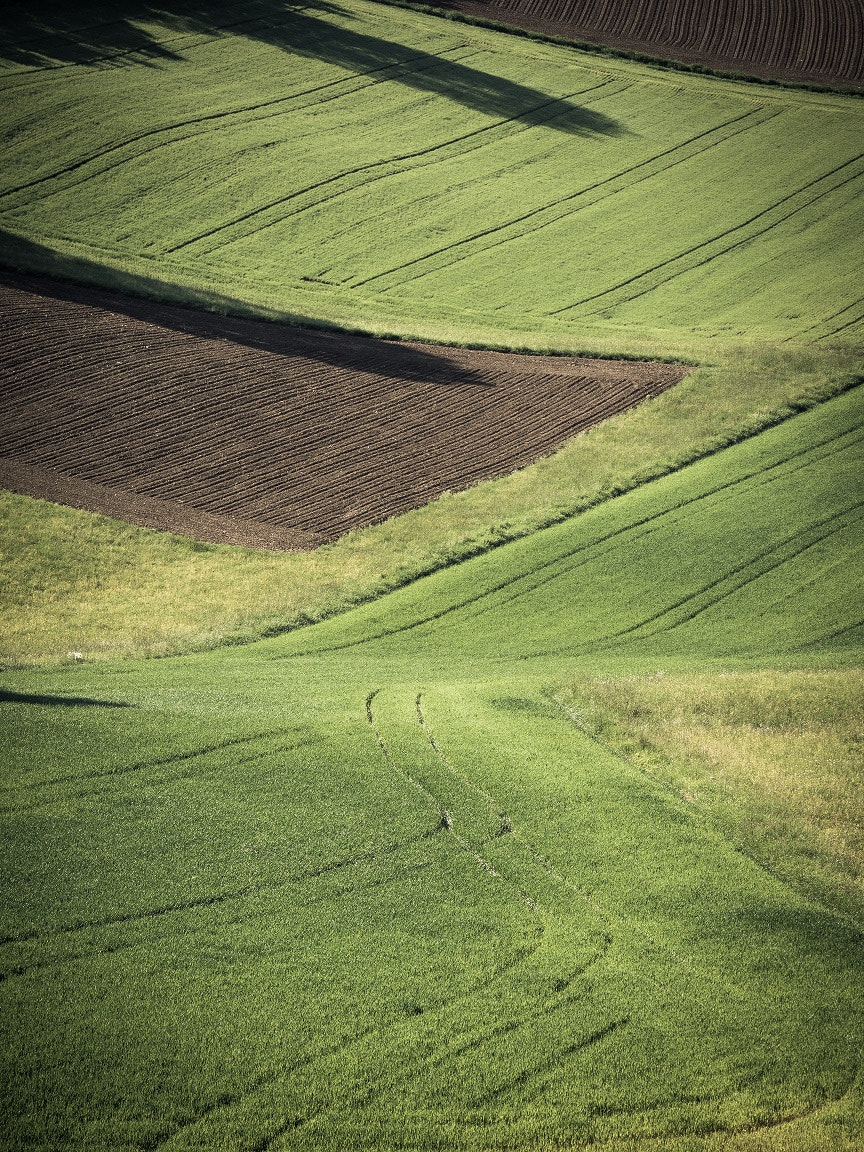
253	433
815	41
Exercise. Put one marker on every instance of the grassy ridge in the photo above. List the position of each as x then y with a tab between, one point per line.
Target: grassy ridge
754	552
372	885
534	187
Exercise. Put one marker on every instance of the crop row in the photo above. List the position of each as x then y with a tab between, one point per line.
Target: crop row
325	436
802	40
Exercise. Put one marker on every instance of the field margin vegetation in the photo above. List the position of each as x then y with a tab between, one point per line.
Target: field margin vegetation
769	756
79	582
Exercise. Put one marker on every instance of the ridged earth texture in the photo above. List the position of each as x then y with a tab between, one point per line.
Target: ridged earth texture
804	41
246	432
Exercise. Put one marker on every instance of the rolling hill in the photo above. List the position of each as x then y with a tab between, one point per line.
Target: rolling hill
363	164
375	884
551	841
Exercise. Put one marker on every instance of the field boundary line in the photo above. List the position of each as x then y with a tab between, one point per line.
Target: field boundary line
759	478
435	616
158	513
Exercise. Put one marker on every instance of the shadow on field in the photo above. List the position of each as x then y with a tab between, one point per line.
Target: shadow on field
9	697
802	931
47	33
208	316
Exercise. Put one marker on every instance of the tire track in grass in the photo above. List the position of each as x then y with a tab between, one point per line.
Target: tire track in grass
437	1059
843	327
142	766
174	778
784	552
827	320
453	1051
681	257
446	818
337	1049
830	636
511	122
641	535
475	599
185	930
296	1122
363	168
211	119
539	215
217	898
751	570
551	1063
444	823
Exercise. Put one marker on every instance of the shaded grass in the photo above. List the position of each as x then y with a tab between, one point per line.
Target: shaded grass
587	201
74	581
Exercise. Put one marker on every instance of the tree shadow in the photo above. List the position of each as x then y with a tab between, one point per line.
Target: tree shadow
9	697
209	316
44	34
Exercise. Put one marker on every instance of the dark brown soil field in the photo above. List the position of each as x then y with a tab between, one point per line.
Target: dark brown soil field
806	41
254	433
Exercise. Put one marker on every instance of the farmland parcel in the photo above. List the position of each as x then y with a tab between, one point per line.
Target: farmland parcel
559	846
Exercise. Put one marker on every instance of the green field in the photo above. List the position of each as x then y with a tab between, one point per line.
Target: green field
554	839
385	883
353	162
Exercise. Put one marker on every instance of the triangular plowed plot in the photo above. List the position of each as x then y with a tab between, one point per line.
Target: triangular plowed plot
254	433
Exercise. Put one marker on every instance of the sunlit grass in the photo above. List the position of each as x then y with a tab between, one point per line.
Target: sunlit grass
775	757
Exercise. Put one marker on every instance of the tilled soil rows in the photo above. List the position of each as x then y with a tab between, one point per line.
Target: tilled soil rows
805	41
246	432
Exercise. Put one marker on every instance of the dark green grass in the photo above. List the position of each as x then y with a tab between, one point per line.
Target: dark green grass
371	885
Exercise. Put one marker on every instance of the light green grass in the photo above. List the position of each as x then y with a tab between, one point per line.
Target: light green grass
371	165
370	885
775	756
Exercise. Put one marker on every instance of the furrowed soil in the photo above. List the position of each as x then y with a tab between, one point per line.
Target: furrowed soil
803	41
245	432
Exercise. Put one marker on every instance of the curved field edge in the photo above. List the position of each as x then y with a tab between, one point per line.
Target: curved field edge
316	435
65	259
74	581
523	23
472	270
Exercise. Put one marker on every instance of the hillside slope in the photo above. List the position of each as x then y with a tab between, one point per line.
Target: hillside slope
380	167
372	884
